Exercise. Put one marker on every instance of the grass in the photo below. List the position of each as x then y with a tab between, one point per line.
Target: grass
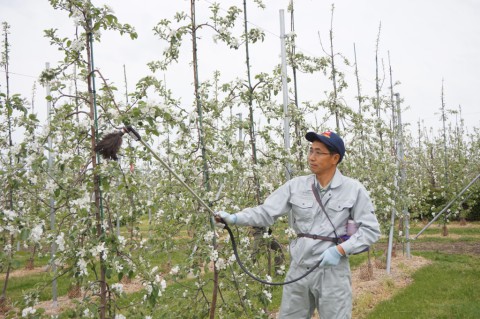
21	258
448	288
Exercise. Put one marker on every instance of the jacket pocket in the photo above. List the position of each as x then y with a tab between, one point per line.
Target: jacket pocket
339	210
302	208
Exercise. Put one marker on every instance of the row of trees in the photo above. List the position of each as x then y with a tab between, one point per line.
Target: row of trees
73	205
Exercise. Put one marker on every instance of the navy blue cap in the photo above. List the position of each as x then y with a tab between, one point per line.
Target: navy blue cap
328	138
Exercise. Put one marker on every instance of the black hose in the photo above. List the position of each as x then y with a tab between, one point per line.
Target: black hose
234	246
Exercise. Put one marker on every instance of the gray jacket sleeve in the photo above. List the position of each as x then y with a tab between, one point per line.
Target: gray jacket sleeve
276	205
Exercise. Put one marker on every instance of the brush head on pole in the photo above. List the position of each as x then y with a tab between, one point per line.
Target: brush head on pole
109	146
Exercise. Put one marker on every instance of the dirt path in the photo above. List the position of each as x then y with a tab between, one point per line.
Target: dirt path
450	248
367	293
457	247
24	272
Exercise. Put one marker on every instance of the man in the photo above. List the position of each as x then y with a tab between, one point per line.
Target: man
328	288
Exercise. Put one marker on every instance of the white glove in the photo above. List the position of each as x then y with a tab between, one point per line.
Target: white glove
331	257
226	217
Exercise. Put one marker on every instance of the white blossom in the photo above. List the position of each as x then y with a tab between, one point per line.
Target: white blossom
188	219
154	270
99	250
122	240
290	232
50	186
209	236
221	264
163	286
159	213
118	288
213	254
87	313
268	295
281	270
118	267
174	270
97	33
245	241
60	241
84	123
83	202
9	214
232	259
234	43
148	288
82	266
36	233
77	16
81	252
33	180
28	311
7	249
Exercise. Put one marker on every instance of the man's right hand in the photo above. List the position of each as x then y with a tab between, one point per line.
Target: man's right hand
225	217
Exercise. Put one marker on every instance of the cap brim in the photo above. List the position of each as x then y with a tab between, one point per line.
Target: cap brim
312	137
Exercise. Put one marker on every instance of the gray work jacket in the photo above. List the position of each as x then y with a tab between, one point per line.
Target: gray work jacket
346	198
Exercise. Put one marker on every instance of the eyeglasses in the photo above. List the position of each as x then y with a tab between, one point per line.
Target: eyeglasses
317	153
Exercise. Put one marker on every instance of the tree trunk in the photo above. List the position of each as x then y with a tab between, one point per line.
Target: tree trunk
3	298
206	175
445	230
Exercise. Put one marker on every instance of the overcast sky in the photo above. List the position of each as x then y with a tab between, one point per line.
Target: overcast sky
428	41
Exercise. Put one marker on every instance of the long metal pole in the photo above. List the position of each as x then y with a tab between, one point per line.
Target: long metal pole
396	192
403	177
286	117
448	206
53	248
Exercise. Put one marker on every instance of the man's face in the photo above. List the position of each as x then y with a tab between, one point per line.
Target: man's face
320	159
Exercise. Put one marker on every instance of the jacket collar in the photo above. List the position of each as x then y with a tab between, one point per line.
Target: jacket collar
336	181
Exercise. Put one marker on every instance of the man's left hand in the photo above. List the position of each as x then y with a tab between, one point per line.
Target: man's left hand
331	257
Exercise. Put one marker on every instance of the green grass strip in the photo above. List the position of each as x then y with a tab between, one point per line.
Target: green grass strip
448	288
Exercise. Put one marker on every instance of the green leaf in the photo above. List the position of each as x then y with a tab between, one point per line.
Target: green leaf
108	273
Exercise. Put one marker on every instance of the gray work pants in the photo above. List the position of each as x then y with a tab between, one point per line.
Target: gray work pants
328	289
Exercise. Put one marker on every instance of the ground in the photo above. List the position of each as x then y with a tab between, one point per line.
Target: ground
371	284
